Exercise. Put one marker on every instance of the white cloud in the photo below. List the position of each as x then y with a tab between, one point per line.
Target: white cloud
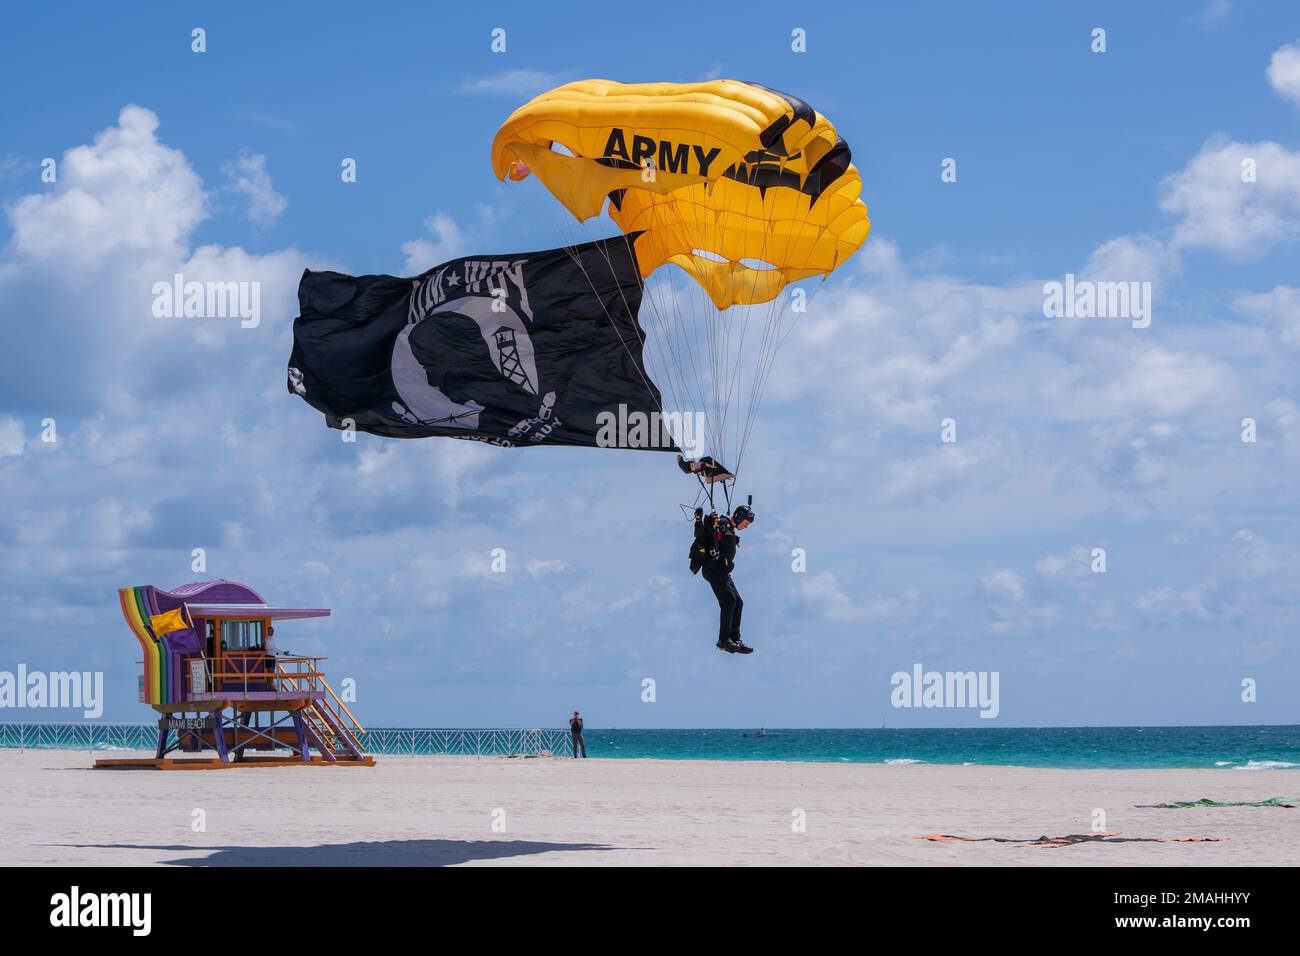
1214	11
520	83
119	220
395	468
1172	605
1004	584
822	591
112	524
448	242
1138	381
12	442
540	569
450	239
1279	307
1137	258
1220	211
662	593
919	477
888	348
880	258
127	197
1051	565
1284	72
1074	564
247	175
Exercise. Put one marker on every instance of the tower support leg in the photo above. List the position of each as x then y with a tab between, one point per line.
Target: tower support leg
219	736
303	749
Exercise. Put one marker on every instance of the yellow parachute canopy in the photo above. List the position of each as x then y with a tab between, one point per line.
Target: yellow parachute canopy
745	188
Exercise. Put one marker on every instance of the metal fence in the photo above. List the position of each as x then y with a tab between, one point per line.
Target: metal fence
499	742
495	742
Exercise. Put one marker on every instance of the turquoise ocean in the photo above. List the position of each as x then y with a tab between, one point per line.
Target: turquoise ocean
1265	748
1241	748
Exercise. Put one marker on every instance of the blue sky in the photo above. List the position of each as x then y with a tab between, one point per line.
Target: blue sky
1073	434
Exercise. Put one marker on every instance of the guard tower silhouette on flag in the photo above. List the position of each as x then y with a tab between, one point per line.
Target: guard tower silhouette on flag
508	359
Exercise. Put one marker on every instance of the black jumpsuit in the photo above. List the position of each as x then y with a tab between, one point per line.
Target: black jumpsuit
717	571
575	732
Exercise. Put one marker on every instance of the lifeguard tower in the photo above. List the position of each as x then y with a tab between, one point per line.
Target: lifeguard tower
212	673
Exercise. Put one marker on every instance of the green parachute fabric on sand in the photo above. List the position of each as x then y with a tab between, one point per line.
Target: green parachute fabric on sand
1288	802
1072	839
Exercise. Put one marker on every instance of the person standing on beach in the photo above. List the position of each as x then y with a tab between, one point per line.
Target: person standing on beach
575	731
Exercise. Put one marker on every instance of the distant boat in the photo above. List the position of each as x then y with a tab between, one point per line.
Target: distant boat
761	733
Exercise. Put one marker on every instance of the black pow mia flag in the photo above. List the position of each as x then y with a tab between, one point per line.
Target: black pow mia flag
516	350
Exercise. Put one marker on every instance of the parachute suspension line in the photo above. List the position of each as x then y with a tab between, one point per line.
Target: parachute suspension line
768	347
571	250
566	241
672	384
762	387
650	389
745	315
668	340
699	339
776	332
673	351
730	355
773	339
768	344
669	349
678	349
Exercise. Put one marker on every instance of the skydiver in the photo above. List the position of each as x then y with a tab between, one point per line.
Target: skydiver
714	553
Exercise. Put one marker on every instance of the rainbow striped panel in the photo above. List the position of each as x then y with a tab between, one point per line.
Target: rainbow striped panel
137	609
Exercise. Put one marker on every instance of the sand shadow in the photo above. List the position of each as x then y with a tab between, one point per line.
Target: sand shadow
385	853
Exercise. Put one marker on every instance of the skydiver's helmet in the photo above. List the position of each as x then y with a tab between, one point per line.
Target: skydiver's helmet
742	513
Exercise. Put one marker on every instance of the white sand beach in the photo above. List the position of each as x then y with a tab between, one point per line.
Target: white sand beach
427	811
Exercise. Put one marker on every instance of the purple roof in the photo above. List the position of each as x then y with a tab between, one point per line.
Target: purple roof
219	591
222	598
256	610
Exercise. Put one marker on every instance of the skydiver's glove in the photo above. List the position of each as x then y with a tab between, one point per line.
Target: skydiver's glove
699	514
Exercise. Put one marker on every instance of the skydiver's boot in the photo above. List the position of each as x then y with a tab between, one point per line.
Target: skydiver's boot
737	646
725	645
